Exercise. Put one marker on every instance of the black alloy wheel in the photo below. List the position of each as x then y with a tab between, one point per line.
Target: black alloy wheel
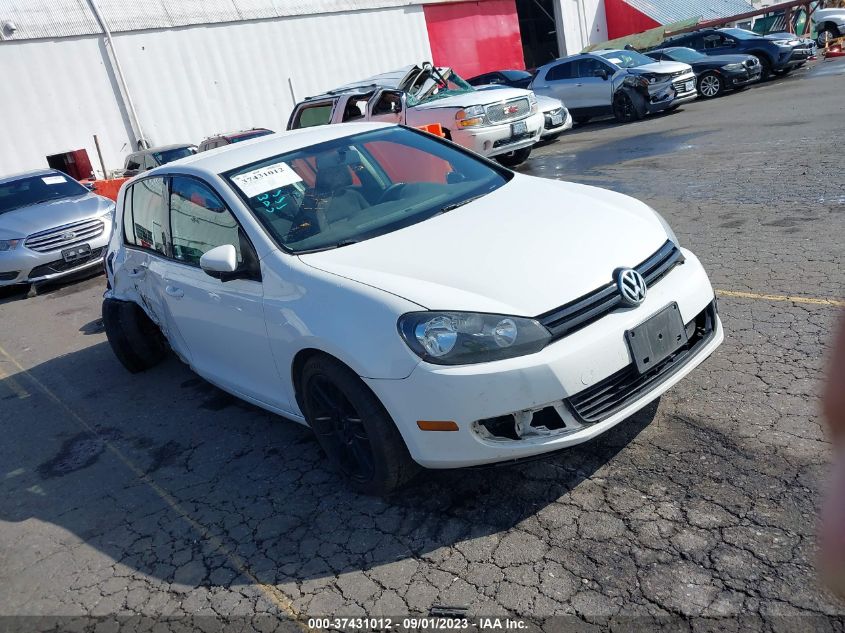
339	428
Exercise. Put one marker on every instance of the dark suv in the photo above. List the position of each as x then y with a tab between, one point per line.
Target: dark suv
778	53
153	157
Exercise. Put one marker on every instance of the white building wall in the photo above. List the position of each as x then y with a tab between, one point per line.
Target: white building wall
582	23
191	82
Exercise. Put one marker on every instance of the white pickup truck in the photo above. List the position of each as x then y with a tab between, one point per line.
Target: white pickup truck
503	124
829	23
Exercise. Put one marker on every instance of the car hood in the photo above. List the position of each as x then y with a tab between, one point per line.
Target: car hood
663	68
474	97
721	60
524	249
548	104
40	217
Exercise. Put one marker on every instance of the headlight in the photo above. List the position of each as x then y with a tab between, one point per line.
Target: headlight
532	102
9	245
787	43
471	116
108	212
733	66
460	338
669	232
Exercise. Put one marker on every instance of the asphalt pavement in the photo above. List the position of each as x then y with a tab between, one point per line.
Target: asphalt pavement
158	495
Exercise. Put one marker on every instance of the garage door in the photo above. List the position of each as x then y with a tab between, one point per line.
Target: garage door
475	37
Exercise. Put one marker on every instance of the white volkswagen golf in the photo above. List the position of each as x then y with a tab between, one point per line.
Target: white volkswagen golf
411	302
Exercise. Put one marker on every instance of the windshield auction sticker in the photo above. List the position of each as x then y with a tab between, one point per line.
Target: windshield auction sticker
54	180
264	179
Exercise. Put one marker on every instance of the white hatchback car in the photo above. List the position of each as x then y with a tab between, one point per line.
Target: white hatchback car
409	300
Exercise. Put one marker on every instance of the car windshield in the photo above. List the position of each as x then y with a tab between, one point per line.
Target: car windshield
24	192
359	187
627	59
685	55
516	75
740	34
169	155
438	85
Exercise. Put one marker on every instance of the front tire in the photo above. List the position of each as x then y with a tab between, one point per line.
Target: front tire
514	158
710	85
354	429
134	338
765	67
624	108
827	34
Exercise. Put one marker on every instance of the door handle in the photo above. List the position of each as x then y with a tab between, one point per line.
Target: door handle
578	85
173	291
137	273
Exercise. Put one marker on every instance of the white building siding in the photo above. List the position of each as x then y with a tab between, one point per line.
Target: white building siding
583	23
192	82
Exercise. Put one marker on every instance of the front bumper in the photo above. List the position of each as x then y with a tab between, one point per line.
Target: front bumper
550	129
470	393
492	140
743	77
26	266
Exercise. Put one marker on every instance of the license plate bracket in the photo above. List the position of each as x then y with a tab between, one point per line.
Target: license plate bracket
76	253
653	340
689	86
519	128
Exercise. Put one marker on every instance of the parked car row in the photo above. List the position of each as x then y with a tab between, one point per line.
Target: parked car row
150	158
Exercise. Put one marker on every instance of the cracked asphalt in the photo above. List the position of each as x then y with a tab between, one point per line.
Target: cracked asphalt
159	495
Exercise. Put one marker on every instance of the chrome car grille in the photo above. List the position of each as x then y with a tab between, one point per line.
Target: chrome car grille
584	310
508	111
61	236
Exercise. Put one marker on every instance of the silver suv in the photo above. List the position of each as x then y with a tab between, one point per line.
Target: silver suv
622	83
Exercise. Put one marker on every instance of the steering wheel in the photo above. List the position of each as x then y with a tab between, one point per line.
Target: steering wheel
391	191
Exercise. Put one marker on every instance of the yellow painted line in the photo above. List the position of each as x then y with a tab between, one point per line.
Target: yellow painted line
13	384
275	596
791	298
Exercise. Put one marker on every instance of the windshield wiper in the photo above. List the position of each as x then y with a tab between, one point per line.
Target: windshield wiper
455	205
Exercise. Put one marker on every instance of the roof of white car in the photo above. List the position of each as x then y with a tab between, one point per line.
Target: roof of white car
228	157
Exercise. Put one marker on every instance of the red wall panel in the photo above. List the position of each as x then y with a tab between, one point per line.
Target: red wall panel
475	37
623	19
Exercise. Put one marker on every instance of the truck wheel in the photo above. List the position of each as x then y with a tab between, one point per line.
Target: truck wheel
354	429
514	158
765	67
134	338
827	34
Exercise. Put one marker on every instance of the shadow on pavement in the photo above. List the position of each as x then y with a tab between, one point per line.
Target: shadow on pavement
180	481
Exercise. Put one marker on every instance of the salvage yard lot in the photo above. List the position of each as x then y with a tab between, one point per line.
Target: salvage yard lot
158	494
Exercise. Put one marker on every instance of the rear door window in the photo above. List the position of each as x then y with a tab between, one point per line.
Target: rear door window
561	71
145	219
312	115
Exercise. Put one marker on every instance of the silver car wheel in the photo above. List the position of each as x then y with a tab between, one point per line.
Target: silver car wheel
710	86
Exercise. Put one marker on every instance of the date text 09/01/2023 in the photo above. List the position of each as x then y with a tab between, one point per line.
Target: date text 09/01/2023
416	624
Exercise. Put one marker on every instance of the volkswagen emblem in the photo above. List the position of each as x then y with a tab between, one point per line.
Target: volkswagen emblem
631	285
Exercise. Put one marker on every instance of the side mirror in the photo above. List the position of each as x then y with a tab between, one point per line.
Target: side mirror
220	261
601	72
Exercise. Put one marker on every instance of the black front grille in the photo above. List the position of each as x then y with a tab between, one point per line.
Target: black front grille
618	390
584	310
61	266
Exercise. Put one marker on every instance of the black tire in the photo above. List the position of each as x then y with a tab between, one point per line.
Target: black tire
711	85
514	158
826	34
354	429
580	120
765	67
134	338
624	108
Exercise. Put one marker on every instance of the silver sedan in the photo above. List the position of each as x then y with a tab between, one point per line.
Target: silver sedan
50	226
